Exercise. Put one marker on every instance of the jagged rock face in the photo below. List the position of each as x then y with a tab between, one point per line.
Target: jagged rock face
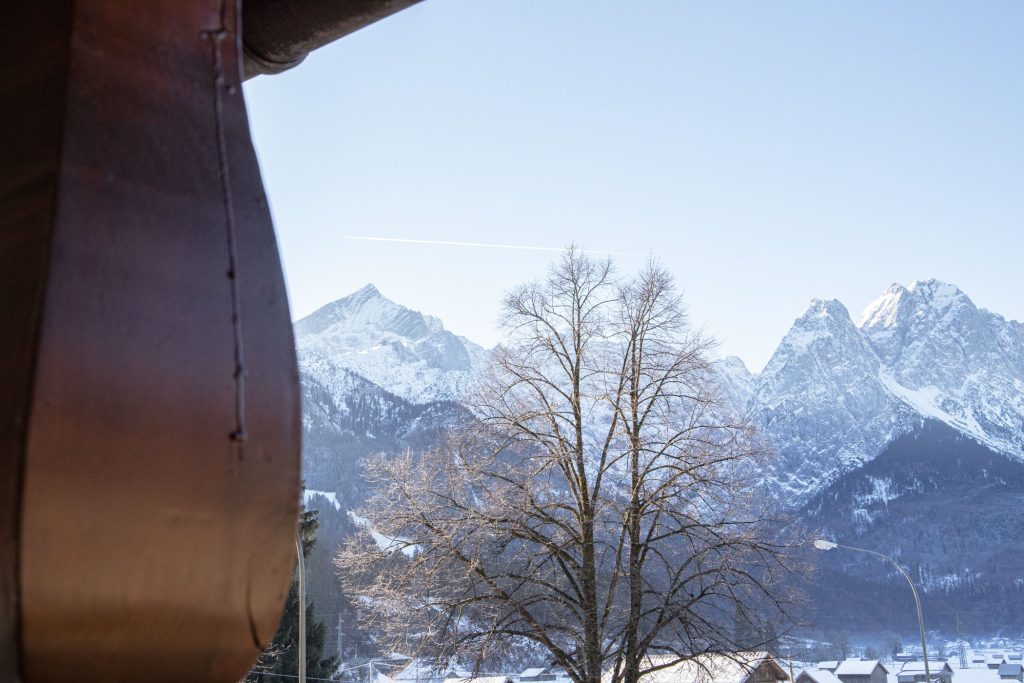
820	404
407	353
347	417
867	422
735	382
834	393
832	396
951	360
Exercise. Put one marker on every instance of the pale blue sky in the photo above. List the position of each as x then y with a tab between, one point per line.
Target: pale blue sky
767	152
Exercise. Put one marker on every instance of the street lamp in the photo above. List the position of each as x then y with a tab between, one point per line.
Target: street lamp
302	609
822	544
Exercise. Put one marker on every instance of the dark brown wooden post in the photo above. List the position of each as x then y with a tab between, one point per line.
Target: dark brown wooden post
149	449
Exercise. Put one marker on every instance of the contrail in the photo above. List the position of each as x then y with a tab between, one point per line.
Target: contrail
482	245
444	243
528	247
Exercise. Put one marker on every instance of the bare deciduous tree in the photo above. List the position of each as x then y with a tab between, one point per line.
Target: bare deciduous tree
594	510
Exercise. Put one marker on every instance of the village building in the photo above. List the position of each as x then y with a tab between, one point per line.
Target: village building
481	679
862	671
816	676
830	665
735	667
1011	671
538	674
913	672
413	670
996	661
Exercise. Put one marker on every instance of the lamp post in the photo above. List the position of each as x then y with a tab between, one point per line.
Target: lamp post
302	610
822	544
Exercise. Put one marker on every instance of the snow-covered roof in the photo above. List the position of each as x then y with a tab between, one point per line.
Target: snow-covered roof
480	679
1008	669
820	675
918	666
533	672
858	667
831	664
711	668
421	670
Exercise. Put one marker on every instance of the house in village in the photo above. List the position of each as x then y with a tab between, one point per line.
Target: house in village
538	674
414	670
817	676
862	671
978	658
1011	671
830	665
736	667
913	672
480	679
995	661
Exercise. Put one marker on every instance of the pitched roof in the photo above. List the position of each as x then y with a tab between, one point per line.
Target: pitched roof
831	664
918	666
420	669
1011	669
711	668
533	672
858	667
820	675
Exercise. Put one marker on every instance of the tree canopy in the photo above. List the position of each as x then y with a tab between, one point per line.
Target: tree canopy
597	509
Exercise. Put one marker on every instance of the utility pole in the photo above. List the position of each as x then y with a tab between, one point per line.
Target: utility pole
961	650
341	636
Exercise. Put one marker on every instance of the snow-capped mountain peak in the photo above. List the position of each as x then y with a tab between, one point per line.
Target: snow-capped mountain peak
924	297
821	308
834	394
367	309
940	295
404	351
884	311
824	319
819	401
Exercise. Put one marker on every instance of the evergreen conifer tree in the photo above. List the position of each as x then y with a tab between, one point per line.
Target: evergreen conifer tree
279	662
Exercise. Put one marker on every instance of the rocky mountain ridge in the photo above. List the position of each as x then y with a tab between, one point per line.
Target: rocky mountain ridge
902	431
829	400
834	393
403	351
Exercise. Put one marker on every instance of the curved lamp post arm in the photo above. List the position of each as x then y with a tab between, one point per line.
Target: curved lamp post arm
828	545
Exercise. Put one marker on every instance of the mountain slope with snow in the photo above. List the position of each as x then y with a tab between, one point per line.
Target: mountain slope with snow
401	350
903	431
834	394
820	404
951	361
735	381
